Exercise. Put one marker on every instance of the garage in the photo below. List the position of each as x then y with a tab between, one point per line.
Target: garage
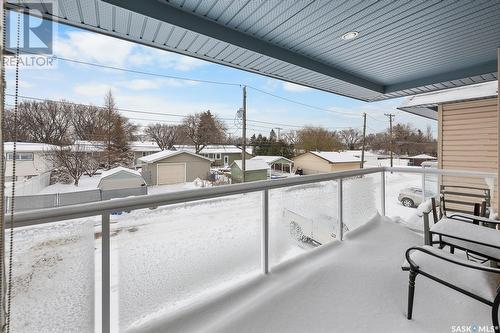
171	173
174	167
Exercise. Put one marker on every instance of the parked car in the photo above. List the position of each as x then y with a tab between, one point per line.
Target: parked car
411	196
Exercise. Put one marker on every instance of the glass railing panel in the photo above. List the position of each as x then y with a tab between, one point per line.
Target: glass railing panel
361	200
53	276
302	218
170	257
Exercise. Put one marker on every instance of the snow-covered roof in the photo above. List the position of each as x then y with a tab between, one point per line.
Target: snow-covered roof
165	154
144	146
357	153
215	149
113	171
423	157
252	164
425	105
271	159
27	147
337	156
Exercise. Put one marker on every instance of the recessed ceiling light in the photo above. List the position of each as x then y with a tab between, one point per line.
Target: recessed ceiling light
350	35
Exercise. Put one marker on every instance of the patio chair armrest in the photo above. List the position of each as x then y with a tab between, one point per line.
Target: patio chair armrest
463	264
460	216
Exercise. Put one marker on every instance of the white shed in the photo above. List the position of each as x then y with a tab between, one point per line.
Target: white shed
120	177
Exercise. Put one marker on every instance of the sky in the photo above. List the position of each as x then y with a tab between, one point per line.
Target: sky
86	84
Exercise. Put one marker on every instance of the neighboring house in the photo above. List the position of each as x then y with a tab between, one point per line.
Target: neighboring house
467	130
174	166
119	178
326	161
255	169
143	148
417	160
30	162
277	163
220	155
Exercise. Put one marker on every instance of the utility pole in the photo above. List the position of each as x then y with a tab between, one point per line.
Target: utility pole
279	132
364	141
244	134
391	117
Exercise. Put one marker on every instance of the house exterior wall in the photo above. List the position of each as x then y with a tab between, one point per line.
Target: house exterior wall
467	140
312	164
196	167
231	156
335	167
28	169
250	176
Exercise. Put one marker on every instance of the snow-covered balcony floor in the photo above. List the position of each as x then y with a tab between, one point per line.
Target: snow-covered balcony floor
352	286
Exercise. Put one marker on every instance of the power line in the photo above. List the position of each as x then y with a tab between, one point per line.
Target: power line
173	114
200	81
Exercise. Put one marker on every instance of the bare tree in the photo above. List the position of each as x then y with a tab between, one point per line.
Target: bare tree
204	128
69	161
318	138
164	135
45	122
351	138
92	162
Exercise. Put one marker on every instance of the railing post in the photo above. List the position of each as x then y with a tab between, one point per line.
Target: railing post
382	193
340	208
105	271
265	232
423	186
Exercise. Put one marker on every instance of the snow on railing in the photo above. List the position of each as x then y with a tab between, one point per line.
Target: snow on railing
106	208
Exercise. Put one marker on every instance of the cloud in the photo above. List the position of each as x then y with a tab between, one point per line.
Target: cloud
91	47
94	90
288	86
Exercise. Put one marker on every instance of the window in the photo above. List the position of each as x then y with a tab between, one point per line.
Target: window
211	156
217	156
20	156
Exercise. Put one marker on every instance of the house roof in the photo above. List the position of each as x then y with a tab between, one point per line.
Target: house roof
116	170
271	159
252	164
425	105
27	147
402	48
214	149
423	157
166	154
336	156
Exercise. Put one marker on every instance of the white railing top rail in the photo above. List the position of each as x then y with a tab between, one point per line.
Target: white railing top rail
140	202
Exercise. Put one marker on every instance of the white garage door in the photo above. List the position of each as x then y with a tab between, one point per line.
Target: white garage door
171	173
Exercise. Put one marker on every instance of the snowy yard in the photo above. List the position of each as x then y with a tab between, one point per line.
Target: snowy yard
168	259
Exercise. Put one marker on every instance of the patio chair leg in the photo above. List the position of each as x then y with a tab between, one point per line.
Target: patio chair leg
411	292
452	249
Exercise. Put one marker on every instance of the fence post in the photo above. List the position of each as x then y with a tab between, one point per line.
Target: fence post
265	232
340	209
106	275
382	193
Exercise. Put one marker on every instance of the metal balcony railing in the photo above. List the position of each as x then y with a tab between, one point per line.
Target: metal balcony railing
106	208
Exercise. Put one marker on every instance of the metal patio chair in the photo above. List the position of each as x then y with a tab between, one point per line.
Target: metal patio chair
469	278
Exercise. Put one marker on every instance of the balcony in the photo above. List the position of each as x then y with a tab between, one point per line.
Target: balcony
313	252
